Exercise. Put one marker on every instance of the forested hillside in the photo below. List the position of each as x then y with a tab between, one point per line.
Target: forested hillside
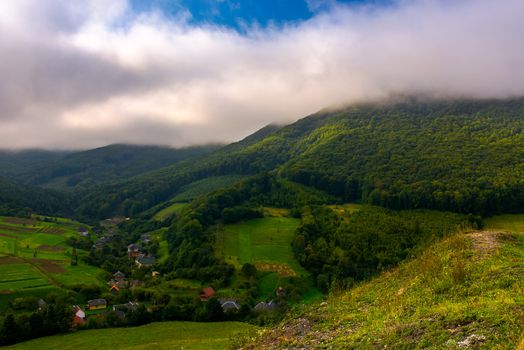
81	170
18	200
463	156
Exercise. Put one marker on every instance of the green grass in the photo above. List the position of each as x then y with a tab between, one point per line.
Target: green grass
260	241
79	274
468	285
205	186
20	276
165	335
509	222
166	213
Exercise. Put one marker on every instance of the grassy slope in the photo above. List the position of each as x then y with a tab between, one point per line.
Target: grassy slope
165	335
166	213
510	222
266	240
205	186
469	286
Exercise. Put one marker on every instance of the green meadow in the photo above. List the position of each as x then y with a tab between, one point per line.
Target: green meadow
265	242
160	336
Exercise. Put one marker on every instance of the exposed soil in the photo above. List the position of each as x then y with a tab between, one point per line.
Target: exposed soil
20	221
50	266
8	236
17	229
50	248
9	260
282	269
53	230
485	241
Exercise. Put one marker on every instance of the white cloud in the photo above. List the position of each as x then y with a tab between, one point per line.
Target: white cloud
76	76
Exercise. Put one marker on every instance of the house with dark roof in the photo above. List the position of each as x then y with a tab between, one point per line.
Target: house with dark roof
133	251
263	306
119	276
82	231
145	261
129	306
207	293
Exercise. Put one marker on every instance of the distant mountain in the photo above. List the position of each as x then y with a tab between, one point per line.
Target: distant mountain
461	155
62	170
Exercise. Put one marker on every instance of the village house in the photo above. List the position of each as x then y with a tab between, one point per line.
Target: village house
207	293
119	276
133	251
263	306
229	305
96	304
114	289
41	303
79	317
82	231
129	306
145	261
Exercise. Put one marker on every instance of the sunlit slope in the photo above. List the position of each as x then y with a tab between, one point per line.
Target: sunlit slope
464	292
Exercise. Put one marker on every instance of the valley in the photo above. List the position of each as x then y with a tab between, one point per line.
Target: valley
347	227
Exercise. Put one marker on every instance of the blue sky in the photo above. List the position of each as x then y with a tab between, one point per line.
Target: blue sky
238	14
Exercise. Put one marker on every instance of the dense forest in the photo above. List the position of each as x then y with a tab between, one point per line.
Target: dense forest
18	200
341	248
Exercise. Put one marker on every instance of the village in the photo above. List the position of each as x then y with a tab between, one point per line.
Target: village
141	263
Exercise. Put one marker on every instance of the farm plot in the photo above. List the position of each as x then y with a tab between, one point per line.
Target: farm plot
36	256
17	275
264	242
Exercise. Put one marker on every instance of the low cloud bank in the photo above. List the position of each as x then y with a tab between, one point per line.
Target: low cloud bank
86	74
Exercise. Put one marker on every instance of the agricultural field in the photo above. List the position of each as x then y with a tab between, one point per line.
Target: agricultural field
165	335
35	257
508	222
264	242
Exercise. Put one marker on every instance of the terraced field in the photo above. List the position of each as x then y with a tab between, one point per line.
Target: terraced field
35	258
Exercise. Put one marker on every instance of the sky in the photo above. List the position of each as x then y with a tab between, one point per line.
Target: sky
83	74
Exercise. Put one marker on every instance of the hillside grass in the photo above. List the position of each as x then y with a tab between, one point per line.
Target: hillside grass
160	336
166	213
264	242
205	186
508	222
468	288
